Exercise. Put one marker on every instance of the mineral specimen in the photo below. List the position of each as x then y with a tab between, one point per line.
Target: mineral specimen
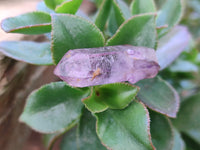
96	66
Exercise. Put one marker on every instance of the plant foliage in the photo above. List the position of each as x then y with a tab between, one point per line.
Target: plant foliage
117	116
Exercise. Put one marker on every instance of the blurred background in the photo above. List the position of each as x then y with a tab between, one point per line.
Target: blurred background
11	132
11	8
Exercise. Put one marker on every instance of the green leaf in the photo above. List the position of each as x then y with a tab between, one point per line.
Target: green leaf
123	7
47	109
118	14
117	95
102	15
178	141
93	103
114	96
159	95
29	23
170	15
42	7
87	137
142	6
71	32
69	7
69	141
188	118
115	18
126	129
138	31
30	52
161	132
84	137
53	3
114	21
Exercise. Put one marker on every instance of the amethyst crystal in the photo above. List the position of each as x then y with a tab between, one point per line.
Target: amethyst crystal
95	66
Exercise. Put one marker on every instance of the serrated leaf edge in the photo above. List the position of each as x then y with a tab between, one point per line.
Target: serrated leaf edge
126	22
91	94
99	12
176	95
148	127
117	5
166	25
21	120
64	3
111	84
52	31
132	3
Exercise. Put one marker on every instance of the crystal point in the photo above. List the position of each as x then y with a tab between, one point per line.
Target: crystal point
96	66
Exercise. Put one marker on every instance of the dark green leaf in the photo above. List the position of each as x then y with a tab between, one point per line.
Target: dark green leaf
161	132
188	118
159	95
71	32
102	15
142	6
53	107
83	138
69	7
118	14
30	52
29	23
126	129
87	137
178	141
53	3
170	14
114	96
190	143
115	19
69	141
138	31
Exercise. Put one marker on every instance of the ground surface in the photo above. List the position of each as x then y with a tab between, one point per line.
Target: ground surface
10	8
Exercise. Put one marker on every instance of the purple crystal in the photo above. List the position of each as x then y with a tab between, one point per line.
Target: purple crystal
96	66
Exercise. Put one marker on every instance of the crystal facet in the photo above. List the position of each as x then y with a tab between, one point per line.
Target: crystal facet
96	66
